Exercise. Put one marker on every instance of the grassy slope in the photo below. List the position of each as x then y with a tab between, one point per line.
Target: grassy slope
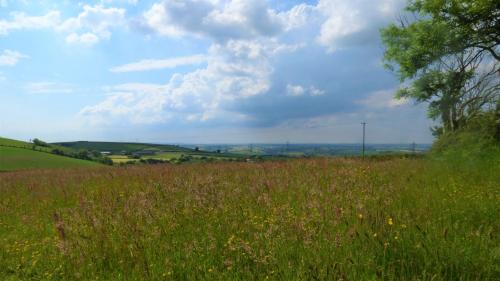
169	151
116	147
14	158
323	219
11	142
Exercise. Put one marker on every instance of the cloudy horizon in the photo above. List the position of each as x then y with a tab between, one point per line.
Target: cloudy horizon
202	71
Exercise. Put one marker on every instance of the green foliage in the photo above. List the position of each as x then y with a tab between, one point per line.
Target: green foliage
477	141
448	55
470	23
119	147
38	142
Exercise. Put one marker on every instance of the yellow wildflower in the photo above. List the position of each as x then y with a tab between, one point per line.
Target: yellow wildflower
389	221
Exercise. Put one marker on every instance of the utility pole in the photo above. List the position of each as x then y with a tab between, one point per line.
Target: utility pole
364	125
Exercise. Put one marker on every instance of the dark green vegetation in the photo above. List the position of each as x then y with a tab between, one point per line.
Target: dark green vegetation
448	52
18	155
121	147
133	153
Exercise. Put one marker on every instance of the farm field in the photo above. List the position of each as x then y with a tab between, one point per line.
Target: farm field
303	219
126	153
15	158
117	147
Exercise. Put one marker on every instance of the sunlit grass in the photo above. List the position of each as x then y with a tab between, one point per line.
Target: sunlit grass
326	219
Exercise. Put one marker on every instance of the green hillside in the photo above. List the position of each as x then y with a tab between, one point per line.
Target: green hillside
15	143
123	152
118	147
14	158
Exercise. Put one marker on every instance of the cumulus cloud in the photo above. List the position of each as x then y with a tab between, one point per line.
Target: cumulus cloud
383	99
155	64
135	102
298	70
21	21
295	90
298	90
235	71
341	24
355	22
219	20
10	58
251	73
93	23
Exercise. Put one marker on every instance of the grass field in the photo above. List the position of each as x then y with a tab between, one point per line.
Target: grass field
14	158
309	219
118	147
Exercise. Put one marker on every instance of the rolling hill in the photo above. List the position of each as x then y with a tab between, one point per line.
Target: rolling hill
117	151
119	147
18	155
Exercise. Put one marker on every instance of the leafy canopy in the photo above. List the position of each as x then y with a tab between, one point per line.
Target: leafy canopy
446	53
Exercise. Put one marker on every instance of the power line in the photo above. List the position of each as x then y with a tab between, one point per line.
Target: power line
364	125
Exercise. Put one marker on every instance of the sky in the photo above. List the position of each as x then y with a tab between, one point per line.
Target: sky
202	71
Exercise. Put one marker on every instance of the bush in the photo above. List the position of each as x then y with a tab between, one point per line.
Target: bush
38	142
477	143
57	151
106	161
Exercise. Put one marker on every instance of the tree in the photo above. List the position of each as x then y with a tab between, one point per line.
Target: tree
447	55
38	142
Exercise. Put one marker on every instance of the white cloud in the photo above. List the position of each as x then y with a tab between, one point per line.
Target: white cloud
22	21
135	102
298	90
299	16
383	99
354	22
94	23
152	64
295	90
88	39
235	70
341	23
219	20
49	88
10	58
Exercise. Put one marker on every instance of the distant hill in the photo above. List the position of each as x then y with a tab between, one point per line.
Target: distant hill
120	147
19	155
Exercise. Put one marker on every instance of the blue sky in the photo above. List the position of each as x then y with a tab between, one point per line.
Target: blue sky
201	71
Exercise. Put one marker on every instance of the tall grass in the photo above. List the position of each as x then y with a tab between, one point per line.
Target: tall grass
320	219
